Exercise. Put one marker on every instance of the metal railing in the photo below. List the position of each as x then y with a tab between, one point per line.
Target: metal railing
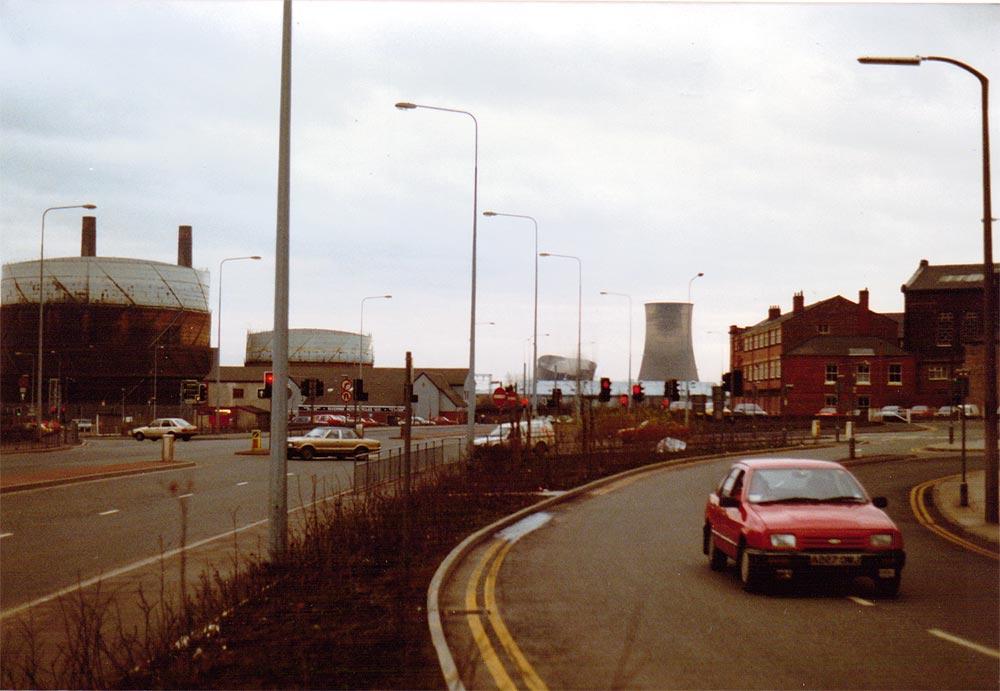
388	468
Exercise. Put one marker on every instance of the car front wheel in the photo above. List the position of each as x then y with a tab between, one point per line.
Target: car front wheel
750	572
307	453
139	436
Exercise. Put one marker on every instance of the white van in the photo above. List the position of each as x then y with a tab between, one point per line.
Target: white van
543	435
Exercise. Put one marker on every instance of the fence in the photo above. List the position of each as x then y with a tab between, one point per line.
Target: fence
389	467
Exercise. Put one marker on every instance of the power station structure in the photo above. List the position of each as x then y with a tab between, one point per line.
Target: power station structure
561	368
116	331
669	350
325	346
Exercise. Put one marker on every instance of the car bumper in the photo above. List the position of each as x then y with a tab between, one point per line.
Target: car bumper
880	565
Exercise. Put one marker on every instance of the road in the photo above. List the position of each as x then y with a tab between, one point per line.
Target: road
614	591
54	537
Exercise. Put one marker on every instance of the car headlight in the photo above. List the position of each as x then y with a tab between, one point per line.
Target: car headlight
880	540
786	540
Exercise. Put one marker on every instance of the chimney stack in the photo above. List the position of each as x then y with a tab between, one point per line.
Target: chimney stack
773	312
863	298
88	237
798	303
184	246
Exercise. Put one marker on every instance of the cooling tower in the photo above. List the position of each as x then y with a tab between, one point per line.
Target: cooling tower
669	352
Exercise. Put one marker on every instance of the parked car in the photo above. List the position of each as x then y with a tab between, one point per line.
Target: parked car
442	420
543	436
748	409
179	427
417	421
892	413
782	519
331	441
83	425
946	411
971	409
920	412
828	411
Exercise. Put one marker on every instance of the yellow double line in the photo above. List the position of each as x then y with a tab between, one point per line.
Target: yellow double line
919	506
492	561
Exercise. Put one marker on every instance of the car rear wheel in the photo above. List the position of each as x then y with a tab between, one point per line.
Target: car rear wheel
186	437
307	453
750	572
139	436
716	557
361	452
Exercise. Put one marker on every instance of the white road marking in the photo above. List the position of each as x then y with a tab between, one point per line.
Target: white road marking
526	525
860	601
185	496
108	512
240	484
3	535
989	652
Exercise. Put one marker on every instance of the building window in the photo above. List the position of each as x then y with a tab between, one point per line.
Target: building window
777	369
945	329
864	374
895	374
831	374
972	330
830	400
864	403
937	372
237	393
777	336
823	328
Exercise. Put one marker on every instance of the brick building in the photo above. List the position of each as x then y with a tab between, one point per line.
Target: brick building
943	328
832	353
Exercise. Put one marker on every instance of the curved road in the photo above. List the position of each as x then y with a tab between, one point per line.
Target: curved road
613	591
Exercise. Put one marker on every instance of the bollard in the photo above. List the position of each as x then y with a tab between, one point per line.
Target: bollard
254	439
850	445
849	425
167	447
815	430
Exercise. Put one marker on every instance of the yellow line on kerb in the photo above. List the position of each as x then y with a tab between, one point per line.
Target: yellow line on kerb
919	507
495	554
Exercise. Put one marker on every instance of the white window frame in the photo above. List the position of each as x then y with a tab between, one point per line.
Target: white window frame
897	369
863	378
826	376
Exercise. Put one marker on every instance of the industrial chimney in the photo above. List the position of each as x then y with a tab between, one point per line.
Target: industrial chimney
88	237
184	246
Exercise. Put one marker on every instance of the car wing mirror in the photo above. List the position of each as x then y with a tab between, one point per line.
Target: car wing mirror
729	502
880	502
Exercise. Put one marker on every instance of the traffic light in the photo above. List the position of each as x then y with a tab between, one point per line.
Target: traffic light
557	397
319	388
737	389
605	394
638	394
671	391
202	393
959	389
727	381
268	383
623	400
359	390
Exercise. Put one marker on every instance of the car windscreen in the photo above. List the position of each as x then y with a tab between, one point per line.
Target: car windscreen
316	433
807	485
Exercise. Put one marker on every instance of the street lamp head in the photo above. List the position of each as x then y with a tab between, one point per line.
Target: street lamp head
867	60
387	296
544	254
489	213
700	274
403	105
255	257
89	206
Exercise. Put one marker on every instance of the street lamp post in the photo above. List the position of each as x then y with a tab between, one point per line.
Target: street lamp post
992	478
218	339
32	356
361	345
579	324
625	295
470	379
156	351
698	275
534	352
41	308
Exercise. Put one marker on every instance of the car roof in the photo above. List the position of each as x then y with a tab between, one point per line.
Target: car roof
757	463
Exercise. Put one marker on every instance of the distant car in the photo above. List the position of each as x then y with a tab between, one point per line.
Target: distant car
781	519
442	420
828	411
331	441
971	409
946	411
543	436
83	425
748	409
417	421
179	427
892	413
920	412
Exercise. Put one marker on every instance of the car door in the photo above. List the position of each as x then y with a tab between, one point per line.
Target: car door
727	524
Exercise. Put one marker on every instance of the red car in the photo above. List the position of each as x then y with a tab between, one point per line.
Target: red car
783	518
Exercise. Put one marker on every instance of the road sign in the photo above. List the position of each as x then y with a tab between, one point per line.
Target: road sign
345	396
347	385
500	397
190	391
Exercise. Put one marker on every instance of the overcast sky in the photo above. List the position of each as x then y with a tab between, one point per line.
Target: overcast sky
653	141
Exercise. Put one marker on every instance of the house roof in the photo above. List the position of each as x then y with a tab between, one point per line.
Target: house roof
444	386
857	346
946	277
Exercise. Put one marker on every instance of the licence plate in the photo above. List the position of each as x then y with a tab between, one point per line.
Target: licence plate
834	559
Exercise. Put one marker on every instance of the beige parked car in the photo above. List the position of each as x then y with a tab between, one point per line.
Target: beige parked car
179	427
331	441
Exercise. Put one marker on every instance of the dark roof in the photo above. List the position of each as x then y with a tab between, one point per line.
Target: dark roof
947	277
860	346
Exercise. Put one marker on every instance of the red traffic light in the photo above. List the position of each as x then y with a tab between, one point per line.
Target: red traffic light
636	389
268	378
